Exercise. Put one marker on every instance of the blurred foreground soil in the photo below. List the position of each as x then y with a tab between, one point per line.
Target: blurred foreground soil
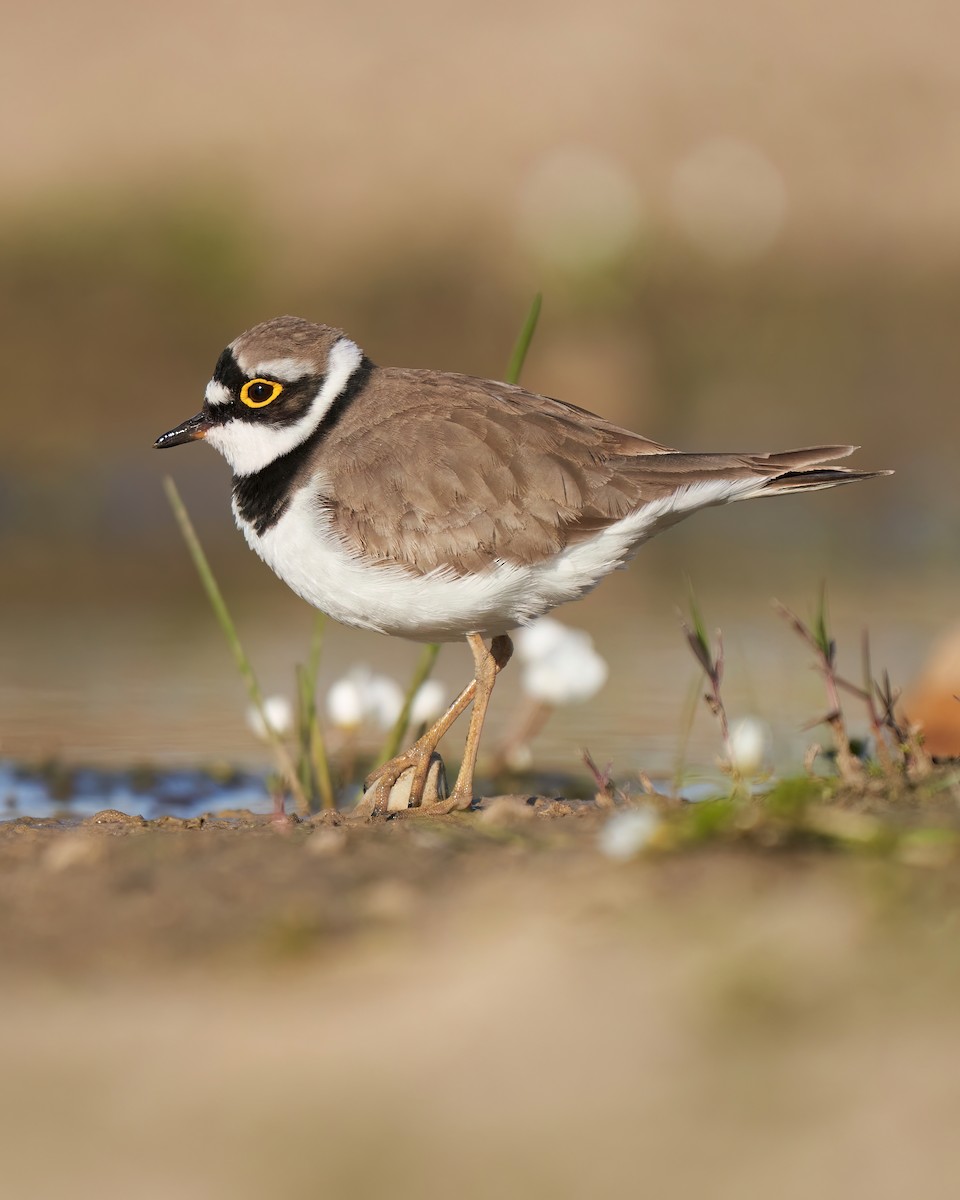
473	1006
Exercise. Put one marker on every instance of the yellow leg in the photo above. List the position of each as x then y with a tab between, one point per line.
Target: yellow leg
379	783
487	664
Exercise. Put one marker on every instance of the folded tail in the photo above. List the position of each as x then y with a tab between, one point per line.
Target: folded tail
803	470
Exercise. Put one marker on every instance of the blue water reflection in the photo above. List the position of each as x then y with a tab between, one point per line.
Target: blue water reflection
52	791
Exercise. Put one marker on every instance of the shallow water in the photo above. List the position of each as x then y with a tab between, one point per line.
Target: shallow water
72	793
146	686
56	791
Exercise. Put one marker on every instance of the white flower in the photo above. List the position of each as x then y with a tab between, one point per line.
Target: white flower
384	700
428	703
627	833
540	640
560	665
362	696
345	703
749	745
279	713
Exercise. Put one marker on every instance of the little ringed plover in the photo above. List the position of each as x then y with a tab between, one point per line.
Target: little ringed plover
437	507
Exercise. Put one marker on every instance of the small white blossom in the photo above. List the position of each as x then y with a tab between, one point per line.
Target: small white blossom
540	640
560	665
279	713
345	703
362	696
428	703
626	833
749	745
384	700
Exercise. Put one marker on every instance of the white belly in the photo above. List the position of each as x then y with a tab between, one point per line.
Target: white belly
306	553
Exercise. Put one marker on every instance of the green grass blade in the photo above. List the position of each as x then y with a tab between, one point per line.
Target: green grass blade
222	613
825	643
519	355
687	717
304	718
317	746
420	675
697	638
321	767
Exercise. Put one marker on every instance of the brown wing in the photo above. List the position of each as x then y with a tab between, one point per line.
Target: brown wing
434	470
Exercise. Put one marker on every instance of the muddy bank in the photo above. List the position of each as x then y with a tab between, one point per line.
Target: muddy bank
472	1006
117	892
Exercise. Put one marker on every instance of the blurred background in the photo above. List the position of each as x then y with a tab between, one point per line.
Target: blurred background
744	222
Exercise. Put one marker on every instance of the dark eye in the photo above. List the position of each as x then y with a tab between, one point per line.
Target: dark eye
258	392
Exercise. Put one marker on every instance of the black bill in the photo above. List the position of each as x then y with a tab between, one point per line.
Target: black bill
189	431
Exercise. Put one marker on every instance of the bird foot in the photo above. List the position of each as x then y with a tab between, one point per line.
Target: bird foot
414	779
441	807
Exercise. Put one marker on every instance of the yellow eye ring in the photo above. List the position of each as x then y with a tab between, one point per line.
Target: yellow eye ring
257	393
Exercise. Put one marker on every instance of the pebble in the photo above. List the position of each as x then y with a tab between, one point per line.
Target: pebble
71	850
327	842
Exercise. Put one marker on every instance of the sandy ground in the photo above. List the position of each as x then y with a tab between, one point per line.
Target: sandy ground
476	1006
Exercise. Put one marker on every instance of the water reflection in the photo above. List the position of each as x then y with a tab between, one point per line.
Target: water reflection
57	791
143	684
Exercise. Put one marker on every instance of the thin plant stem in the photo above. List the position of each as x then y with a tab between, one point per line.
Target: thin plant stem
313	762
421	674
315	746
712	666
687	717
817	637
222	613
314	766
321	767
304	764
518	357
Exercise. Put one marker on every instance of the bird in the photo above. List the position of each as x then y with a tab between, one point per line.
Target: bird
440	507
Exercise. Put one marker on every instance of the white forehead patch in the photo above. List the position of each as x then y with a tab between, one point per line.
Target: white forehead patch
249	446
287	370
216	393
